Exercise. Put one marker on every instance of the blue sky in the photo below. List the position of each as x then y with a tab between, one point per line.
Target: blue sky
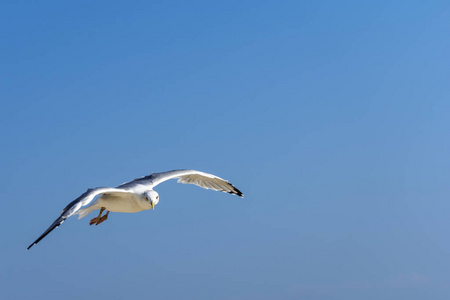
331	117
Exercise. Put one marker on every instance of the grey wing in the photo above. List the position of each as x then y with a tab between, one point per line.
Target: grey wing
73	207
201	179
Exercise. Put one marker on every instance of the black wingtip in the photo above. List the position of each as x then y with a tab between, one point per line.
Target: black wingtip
235	191
55	224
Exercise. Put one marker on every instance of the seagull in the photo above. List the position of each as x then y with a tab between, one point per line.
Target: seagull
134	196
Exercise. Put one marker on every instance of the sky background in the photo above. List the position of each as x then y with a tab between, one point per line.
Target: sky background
331	116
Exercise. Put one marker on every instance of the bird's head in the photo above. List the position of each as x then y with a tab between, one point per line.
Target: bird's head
152	197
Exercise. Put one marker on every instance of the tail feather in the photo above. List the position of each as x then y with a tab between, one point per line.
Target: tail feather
85	211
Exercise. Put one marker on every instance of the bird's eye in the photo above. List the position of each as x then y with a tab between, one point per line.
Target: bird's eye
157	197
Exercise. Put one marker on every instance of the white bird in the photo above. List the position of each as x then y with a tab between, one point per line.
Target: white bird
134	196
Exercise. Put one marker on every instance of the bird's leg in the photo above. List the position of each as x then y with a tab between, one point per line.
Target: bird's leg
104	218
95	220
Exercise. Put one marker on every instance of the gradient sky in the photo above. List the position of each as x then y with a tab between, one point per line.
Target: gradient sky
331	116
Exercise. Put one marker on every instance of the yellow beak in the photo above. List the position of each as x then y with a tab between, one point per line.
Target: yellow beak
153	206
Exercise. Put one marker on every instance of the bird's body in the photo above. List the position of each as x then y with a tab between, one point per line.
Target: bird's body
118	202
134	196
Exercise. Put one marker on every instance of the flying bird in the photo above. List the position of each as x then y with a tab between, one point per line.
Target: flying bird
134	196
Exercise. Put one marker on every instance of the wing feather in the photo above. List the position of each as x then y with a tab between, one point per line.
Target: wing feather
201	179
71	209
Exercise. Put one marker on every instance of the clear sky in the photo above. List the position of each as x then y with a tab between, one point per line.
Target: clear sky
331	116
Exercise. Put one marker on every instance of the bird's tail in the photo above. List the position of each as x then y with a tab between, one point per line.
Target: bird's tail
85	211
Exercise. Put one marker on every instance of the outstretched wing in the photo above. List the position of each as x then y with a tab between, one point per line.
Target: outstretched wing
204	180
74	206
